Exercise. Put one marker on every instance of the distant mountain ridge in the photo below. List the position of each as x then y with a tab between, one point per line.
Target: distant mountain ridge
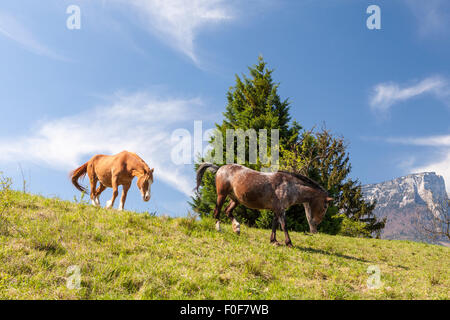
407	202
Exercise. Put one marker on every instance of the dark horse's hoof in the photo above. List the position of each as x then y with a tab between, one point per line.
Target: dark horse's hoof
289	245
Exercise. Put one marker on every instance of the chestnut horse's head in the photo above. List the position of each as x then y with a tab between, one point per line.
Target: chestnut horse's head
317	210
144	184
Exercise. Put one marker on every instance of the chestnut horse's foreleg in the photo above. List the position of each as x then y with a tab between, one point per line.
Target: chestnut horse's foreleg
124	196
282	220
219	203
229	211
115	188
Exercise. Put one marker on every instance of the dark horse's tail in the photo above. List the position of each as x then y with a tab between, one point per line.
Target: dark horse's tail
201	171
76	174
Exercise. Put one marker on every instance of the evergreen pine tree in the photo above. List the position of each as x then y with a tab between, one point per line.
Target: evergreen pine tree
253	103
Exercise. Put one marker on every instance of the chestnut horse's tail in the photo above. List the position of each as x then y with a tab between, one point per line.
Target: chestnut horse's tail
201	171
76	174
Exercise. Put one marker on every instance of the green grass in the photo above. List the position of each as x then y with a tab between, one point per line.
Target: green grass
126	255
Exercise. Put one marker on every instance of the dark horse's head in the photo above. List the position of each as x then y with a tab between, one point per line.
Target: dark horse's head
314	198
316	210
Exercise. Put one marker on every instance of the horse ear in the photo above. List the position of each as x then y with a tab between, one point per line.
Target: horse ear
329	199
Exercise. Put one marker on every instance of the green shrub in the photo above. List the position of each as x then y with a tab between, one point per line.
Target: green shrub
352	228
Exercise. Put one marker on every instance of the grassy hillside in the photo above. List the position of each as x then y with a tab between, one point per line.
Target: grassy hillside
136	256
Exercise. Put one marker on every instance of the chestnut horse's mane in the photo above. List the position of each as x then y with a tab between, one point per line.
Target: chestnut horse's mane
308	181
140	159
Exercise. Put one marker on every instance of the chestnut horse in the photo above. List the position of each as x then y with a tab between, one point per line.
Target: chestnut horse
113	171
276	191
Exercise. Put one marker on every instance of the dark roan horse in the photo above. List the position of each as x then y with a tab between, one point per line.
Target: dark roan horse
275	191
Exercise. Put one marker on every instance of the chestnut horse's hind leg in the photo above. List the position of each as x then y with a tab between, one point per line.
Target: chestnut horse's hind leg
124	196
93	180
98	192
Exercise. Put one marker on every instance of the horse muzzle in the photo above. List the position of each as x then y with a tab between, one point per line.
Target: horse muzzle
313	228
146	197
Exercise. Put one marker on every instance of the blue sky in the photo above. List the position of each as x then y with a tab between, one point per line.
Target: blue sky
137	70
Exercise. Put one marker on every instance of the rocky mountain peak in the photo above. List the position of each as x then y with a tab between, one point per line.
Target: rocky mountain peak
419	188
405	200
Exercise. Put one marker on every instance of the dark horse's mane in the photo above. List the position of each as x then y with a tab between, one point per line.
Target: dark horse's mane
308	181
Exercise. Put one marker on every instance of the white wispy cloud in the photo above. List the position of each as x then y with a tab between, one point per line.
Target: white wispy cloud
137	122
178	22
432	141
385	95
440	162
15	30
433	16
